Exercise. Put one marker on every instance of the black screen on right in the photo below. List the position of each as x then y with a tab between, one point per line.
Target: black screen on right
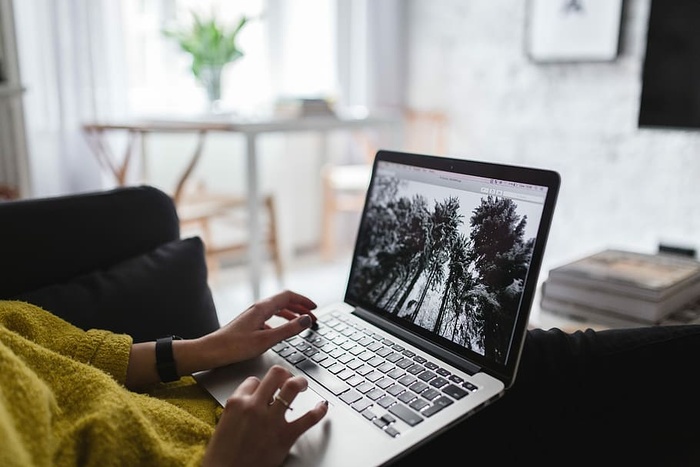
671	73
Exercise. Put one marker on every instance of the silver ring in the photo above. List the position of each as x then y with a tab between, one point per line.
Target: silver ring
282	401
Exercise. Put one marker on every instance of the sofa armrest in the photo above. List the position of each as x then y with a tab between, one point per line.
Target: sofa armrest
110	260
48	240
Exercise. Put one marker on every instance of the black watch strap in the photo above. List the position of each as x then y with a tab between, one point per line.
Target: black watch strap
165	361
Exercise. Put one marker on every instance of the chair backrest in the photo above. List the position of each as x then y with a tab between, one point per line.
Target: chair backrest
425	131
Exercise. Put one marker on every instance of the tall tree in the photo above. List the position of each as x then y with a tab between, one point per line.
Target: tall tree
500	255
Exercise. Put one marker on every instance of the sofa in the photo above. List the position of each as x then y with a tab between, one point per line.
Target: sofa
111	260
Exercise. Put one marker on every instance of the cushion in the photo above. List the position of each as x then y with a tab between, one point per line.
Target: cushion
160	293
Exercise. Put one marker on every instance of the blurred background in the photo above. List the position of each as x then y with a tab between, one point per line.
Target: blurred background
560	84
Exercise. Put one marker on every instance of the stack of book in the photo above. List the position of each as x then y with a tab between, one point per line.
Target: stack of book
619	288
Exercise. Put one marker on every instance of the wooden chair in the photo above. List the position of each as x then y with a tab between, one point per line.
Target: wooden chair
344	186
220	219
8	193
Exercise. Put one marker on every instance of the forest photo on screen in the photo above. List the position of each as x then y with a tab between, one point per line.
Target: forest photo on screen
444	261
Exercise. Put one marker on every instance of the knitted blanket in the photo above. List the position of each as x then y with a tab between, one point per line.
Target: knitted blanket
63	400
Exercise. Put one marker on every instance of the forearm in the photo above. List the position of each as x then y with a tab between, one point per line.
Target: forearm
191	355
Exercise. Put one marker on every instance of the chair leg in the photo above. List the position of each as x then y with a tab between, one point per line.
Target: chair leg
272	241
213	260
327	221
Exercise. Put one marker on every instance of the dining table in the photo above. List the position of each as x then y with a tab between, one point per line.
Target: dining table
251	129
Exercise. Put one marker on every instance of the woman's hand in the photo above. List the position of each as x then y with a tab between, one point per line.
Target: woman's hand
253	430
248	335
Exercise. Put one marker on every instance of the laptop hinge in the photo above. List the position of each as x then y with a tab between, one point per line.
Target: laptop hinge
464	365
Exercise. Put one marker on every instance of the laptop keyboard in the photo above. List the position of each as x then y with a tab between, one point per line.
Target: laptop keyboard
377	377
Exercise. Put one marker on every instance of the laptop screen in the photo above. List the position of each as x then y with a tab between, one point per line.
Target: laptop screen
450	250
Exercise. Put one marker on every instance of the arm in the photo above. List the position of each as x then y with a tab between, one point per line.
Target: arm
243	338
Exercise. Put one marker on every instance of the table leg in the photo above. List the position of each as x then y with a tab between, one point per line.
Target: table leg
254	244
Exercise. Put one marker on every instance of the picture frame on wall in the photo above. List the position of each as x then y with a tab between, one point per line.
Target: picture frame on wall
573	30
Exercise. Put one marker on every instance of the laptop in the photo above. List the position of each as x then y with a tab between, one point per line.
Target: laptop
435	311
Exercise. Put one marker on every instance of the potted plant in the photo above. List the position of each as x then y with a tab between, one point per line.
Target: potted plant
212	46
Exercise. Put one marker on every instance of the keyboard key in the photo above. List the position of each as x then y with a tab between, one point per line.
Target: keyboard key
386	402
365	387
438	404
415	369
438	382
418	387
361	404
354	380
323	377
443	372
345	358
383	351
454	391
407	415
375	394
391	431
384	383
393	357
350	396
430	365
407	380
354	364
470	386
369	414
346	374
295	358
419	404
430	393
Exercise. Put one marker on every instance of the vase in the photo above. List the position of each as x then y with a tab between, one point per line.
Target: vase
210	77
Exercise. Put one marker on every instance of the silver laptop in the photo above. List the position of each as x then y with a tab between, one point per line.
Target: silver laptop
435	311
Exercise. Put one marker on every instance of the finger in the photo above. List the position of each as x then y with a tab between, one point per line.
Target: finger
248	386
271	382
277	334
282	401
309	419
293	300
290	315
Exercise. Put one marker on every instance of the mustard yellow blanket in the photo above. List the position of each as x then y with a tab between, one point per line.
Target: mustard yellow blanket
63	400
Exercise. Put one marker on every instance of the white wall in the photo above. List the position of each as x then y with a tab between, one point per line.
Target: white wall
621	186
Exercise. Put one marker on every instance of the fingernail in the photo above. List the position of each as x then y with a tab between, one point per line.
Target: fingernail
305	321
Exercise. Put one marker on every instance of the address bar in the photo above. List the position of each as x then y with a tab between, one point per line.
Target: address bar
522	196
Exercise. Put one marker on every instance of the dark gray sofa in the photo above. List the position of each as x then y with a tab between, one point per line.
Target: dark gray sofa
111	260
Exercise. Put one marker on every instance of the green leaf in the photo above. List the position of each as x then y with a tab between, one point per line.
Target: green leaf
210	43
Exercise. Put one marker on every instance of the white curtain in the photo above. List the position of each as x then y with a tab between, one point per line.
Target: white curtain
72	65
371	56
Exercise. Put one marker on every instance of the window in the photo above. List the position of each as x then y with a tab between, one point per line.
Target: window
289	50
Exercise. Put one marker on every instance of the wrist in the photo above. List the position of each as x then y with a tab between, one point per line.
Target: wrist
192	355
